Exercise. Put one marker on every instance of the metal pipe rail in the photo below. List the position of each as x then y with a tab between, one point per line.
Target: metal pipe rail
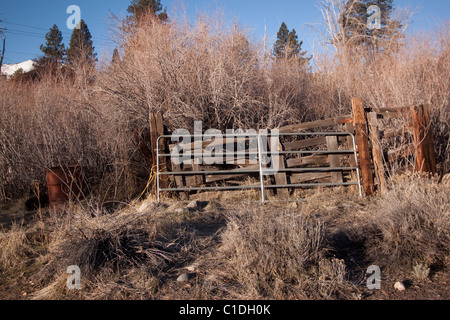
261	170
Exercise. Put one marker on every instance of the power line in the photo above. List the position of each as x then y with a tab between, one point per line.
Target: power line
67	34
23	25
21	33
23	53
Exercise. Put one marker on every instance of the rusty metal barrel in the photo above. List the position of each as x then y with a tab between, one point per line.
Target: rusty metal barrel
64	185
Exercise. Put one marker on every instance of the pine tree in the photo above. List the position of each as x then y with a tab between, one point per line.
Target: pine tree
81	47
279	50
139	7
53	49
288	47
356	30
115	56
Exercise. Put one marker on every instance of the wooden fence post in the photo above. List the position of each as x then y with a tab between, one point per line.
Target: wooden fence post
377	152
360	124
423	140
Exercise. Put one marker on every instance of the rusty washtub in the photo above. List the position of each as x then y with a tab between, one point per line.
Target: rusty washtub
64	184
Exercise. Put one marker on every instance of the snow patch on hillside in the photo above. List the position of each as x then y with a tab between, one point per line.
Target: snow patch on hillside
10	69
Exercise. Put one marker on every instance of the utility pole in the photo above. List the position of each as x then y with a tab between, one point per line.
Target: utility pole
3	54
3	50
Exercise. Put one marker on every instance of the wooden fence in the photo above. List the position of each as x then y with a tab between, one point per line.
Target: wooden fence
401	139
303	159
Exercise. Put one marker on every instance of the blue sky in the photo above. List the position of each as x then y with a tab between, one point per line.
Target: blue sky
29	20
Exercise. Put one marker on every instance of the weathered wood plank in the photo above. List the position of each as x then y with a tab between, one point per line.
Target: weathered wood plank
360	124
319	160
212	142
315	124
279	162
377	152
423	139
332	143
312	176
289	146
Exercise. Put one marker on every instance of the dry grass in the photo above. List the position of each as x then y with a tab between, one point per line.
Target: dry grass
13	247
275	254
319	249
412	225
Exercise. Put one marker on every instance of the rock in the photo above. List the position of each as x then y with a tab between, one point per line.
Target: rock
193	267
193	204
347	205
294	205
399	286
182	211
183	278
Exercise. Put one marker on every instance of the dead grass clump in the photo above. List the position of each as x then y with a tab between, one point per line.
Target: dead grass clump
100	243
274	254
14	247
413	225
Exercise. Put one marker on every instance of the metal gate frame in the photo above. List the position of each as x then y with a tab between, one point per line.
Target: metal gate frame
262	171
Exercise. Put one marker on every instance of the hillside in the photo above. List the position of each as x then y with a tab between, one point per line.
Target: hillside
10	69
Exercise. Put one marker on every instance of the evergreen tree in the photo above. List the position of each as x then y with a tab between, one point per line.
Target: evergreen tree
81	46
288	47
139	7
115	56
279	50
53	49
356	30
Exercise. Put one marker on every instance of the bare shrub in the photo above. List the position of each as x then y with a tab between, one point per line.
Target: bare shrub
275	254
206	71
56	122
412	224
412	71
95	241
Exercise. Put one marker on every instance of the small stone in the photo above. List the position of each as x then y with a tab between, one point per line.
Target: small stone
193	204
181	211
193	267
183	278
399	286
294	205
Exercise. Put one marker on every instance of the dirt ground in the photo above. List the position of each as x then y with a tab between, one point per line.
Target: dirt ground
205	223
